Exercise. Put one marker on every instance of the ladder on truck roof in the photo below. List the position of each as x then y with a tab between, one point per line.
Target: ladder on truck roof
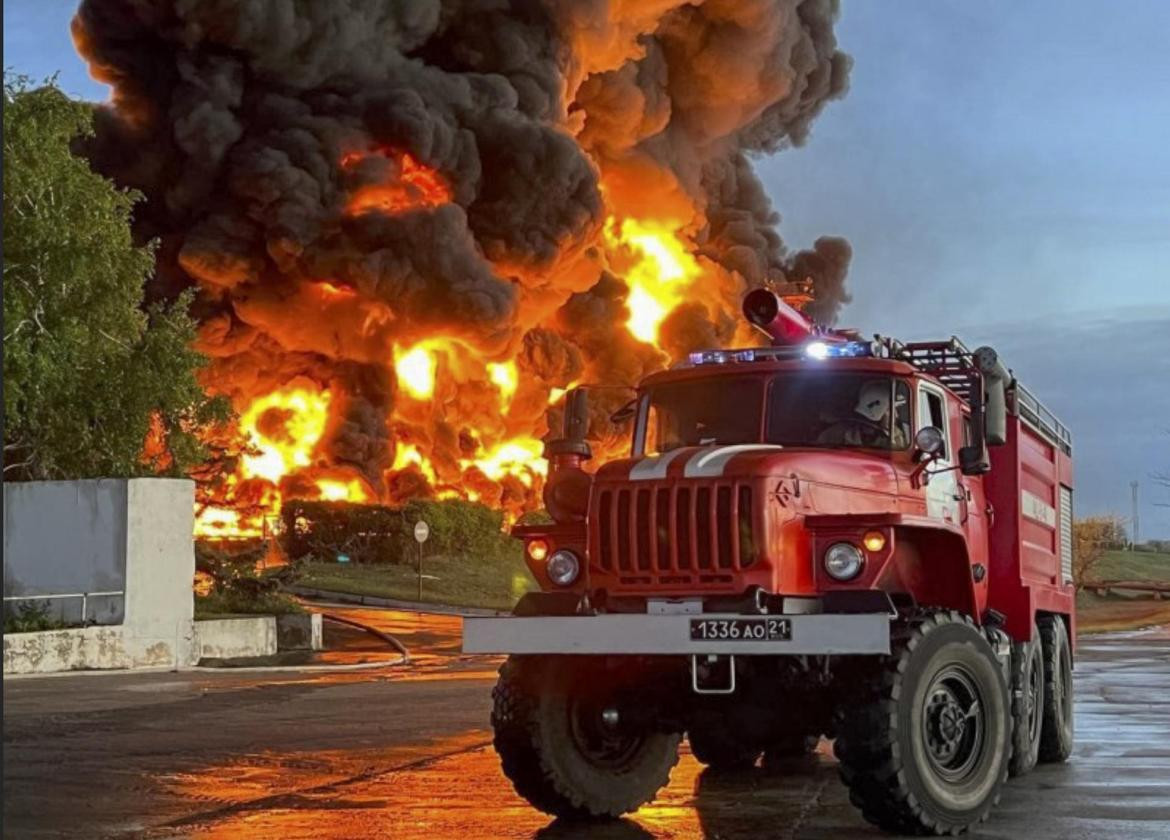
952	364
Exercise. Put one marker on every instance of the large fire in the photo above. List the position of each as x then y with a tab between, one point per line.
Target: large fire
657	267
411	234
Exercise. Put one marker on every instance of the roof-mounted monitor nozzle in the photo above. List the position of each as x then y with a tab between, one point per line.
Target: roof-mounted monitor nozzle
783	324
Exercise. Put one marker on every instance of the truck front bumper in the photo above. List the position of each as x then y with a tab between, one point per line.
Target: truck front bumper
646	634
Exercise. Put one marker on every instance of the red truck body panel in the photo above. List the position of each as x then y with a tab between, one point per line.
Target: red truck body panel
717	520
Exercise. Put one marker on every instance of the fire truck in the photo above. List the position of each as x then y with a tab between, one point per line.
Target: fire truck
866	541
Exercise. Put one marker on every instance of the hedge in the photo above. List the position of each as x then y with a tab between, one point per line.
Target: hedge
381	534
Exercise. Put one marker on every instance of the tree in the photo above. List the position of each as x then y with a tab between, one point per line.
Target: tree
1092	537
88	373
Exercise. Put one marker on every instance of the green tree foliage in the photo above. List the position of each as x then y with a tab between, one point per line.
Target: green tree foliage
1092	537
86	367
379	534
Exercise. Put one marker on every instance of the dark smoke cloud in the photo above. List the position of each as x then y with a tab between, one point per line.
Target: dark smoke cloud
263	132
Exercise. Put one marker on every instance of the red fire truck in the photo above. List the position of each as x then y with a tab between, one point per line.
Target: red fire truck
868	541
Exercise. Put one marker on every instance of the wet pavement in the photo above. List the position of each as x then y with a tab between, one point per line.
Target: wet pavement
404	752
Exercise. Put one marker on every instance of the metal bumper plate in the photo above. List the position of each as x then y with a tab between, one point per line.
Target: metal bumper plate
867	633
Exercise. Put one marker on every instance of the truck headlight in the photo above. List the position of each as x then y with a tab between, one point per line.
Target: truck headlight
843	561
563	567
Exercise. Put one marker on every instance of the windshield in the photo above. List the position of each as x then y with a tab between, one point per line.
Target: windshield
702	412
839	409
821	409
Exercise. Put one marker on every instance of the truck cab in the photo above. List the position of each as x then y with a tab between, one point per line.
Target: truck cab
803	521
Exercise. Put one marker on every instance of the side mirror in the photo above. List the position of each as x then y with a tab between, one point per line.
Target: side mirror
929	441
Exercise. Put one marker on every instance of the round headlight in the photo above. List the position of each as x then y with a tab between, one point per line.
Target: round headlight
843	561
563	567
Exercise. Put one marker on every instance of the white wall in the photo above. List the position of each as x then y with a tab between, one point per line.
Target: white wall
130	534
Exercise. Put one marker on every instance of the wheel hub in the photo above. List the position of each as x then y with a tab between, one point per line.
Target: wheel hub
1032	707
600	735
953	725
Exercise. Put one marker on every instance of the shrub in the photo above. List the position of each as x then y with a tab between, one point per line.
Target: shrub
29	617
380	534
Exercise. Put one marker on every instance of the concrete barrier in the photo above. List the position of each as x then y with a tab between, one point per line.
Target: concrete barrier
236	637
299	631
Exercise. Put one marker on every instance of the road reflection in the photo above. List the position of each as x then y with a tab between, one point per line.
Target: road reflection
462	793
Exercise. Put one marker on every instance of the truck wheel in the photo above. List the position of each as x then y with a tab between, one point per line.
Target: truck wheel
1056	736
720	749
1027	704
924	747
565	745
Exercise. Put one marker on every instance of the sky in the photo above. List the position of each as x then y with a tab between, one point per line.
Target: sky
1001	177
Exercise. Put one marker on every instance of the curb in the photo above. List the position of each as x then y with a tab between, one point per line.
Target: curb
389	603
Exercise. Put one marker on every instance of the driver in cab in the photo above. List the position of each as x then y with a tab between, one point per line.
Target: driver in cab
869	424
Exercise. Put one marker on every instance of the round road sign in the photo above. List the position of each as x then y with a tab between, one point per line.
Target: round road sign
421	531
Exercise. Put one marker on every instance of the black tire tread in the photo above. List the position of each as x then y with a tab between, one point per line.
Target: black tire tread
1053	747
517	741
1024	754
866	746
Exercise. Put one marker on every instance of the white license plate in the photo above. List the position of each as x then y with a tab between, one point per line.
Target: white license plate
740	629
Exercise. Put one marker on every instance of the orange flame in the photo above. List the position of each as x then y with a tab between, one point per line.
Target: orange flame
414	185
657	266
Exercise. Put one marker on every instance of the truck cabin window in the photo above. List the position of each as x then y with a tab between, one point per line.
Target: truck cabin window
819	409
823	409
702	412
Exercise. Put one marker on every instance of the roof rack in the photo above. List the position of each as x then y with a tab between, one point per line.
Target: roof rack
950	362
1033	412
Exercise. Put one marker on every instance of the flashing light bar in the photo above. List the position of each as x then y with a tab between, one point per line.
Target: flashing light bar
838	350
815	350
721	357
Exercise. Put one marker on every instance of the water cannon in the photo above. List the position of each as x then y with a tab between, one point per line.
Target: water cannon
566	491
783	324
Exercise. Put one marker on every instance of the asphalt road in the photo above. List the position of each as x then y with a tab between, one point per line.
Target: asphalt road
404	752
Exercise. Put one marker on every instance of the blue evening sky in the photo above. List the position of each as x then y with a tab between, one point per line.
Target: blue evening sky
1001	171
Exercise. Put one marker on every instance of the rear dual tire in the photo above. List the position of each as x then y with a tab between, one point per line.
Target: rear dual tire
1027	703
1056	740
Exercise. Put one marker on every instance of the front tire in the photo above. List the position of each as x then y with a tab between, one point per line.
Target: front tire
1027	703
924	748
565	746
1056	739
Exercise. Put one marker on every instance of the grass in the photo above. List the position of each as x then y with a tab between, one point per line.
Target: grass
459	581
1103	613
221	604
1133	565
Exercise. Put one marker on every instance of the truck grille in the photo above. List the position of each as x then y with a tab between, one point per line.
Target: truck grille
674	533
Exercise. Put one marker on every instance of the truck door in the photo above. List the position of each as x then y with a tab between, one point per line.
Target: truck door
942	489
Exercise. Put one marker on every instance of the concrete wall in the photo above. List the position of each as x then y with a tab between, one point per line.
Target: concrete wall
67	536
141	530
81	648
231	638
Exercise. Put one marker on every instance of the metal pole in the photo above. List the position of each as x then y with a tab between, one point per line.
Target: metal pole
83	600
420	571
1134	486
